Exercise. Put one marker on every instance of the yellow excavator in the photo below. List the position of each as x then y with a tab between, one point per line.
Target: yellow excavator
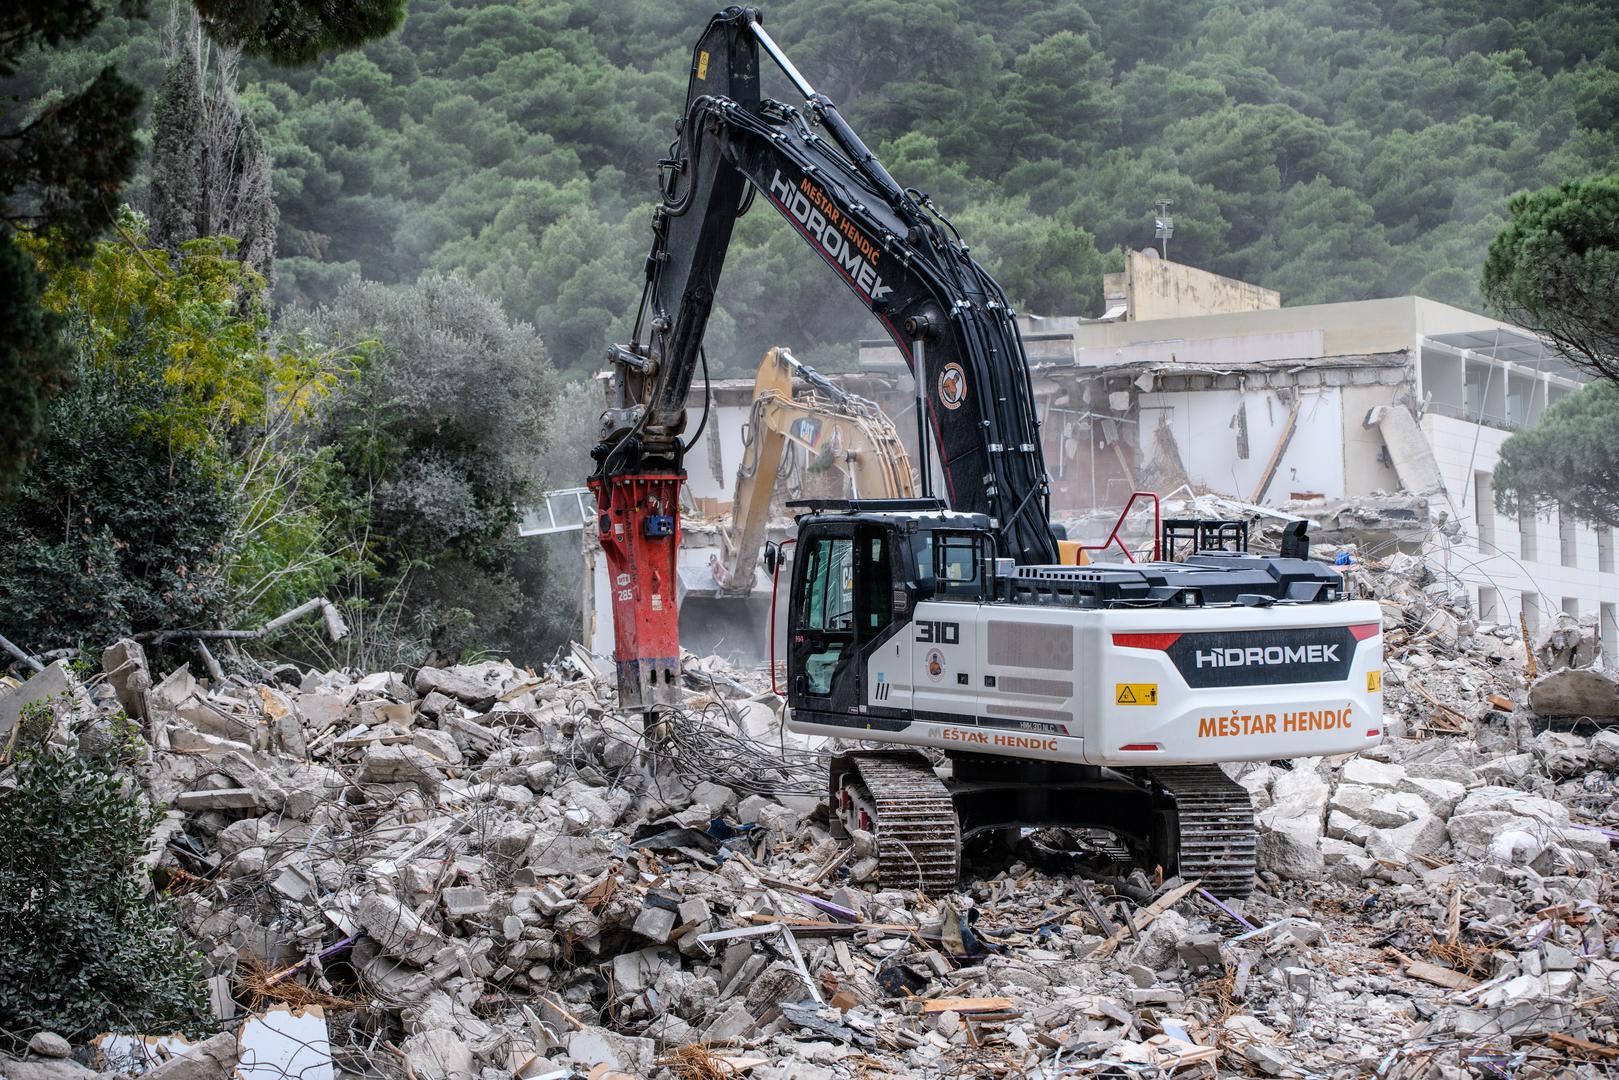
725	604
830	424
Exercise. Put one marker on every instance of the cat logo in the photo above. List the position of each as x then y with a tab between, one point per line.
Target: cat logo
952	386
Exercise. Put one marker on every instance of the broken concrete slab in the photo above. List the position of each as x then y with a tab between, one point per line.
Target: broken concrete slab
463	900
1576	692
398	930
399	765
54	683
217	799
438	1055
454	683
599	1046
124	665
1440	795
211	1059
1377	774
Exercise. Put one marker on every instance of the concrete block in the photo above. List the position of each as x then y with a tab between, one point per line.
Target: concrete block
124	662
1394	809
398	765
322	710
729	1024
463	900
1200	951
1341	826
695	910
635	971
1353	799
716	797
1441	795
438	1055
1575	692
624	1053
656	923
457	684
1377	774
398	931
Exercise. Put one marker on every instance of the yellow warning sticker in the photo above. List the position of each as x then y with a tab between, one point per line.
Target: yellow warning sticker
1135	693
702	65
1374	681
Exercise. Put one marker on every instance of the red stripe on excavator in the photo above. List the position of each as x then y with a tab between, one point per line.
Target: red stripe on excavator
1145	641
1364	630
1141	746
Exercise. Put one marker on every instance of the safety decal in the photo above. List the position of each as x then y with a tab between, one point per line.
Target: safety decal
702	65
952	386
1125	693
1374	681
935	664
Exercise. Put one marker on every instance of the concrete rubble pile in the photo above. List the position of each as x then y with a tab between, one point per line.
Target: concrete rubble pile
485	871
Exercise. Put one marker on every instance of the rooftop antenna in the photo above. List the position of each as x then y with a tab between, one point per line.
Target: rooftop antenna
1164	225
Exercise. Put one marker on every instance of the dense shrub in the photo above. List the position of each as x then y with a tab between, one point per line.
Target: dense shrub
110	531
83	948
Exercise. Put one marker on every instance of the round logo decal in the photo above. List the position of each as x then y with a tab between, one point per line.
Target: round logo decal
935	665
952	386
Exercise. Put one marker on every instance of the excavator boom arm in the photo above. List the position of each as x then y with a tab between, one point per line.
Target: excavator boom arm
950	320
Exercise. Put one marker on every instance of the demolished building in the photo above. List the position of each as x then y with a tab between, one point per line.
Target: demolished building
1381	421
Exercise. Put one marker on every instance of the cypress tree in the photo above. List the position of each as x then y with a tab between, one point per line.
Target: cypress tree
254	216
175	206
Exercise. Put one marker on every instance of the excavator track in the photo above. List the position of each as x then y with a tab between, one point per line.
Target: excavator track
1214	838
908	810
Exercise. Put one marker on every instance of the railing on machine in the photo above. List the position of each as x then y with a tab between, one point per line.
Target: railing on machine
1113	537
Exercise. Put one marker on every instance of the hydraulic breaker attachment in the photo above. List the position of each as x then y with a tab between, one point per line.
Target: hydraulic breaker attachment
638	523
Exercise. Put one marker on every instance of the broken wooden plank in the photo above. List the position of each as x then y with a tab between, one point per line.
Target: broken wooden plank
1144	918
1289	426
1439	975
1574	1042
969	1005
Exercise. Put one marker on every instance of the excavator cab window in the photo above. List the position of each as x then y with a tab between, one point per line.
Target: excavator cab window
959	561
827	608
876	582
829	584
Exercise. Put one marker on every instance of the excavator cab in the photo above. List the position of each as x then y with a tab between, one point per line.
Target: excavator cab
860	567
842	604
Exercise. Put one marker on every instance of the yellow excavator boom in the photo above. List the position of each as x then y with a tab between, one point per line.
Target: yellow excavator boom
859	439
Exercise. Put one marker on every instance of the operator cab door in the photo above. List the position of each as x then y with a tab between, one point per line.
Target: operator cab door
823	666
842	608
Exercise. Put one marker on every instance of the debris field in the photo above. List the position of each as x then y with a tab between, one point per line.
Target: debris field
485	871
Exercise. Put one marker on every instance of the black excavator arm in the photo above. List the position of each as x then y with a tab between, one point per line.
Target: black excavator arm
950	320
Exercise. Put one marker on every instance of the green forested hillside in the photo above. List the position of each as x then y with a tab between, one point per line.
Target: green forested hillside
1325	148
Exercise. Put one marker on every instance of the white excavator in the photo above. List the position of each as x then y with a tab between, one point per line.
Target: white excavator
1097	698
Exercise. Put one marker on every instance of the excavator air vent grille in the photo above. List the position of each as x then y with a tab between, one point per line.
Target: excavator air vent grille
1030	645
